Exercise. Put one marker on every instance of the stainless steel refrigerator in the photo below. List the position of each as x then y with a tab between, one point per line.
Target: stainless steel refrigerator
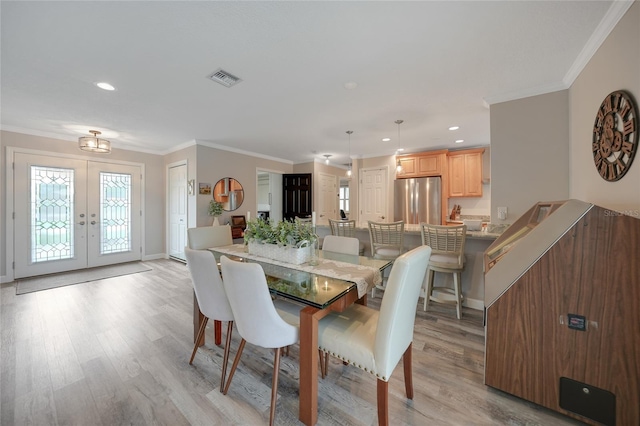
418	200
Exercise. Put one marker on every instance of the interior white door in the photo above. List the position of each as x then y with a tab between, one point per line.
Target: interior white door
73	214
373	195
328	198
177	211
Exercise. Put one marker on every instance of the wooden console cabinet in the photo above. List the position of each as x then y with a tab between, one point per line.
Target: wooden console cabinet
465	173
562	299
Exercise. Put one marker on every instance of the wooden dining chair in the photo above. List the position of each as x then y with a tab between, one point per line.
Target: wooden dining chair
387	242
447	256
257	319
211	297
205	237
375	340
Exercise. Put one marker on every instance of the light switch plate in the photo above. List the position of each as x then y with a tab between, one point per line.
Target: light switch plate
502	213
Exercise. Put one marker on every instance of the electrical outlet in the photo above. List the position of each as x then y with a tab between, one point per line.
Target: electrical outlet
502	213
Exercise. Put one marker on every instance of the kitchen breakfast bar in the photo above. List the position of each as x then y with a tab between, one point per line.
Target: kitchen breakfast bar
472	276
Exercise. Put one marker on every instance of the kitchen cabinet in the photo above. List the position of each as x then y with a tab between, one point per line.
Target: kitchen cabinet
423	164
465	172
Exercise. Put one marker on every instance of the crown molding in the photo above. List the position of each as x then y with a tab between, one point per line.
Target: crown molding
240	151
607	24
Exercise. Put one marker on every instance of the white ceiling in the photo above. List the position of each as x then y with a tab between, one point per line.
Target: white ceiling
433	64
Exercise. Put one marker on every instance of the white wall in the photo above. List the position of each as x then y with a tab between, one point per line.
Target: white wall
615	66
529	153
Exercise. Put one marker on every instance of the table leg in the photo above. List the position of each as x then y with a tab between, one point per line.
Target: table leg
309	318
217	330
198	317
308	366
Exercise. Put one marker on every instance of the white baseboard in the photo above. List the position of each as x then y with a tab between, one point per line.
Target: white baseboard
469	303
474	304
155	256
5	279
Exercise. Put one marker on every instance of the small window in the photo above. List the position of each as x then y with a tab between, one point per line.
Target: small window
344	198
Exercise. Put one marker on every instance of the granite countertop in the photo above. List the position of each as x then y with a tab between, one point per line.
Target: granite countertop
491	231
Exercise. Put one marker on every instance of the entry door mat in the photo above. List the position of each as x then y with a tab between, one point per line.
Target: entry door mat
46	282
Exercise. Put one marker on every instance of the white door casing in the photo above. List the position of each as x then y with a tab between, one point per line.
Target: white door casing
373	195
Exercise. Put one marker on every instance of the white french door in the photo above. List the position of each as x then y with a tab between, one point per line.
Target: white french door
73	214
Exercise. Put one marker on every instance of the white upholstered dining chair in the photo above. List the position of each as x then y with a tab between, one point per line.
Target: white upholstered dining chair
373	340
211	297
345	228
205	237
257	319
342	245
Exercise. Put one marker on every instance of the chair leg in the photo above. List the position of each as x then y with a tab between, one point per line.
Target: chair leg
225	358
235	364
205	320
429	290
408	376
321	355
274	386
458	294
383	403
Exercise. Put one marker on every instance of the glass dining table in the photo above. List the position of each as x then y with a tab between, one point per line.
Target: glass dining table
336	282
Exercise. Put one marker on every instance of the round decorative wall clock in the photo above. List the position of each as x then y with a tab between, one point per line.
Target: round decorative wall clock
615	135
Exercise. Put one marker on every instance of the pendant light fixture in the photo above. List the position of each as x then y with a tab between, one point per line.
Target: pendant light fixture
326	156
398	164
349	132
94	143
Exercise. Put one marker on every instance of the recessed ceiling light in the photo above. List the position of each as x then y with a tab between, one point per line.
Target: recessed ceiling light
105	86
454	127
460	141
386	139
400	149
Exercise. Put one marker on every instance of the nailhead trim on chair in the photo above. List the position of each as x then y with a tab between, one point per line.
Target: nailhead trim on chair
333	354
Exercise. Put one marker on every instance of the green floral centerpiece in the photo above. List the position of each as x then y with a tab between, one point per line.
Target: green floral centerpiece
289	242
215	210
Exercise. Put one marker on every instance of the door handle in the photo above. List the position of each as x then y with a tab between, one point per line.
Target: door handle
93	222
81	223
381	217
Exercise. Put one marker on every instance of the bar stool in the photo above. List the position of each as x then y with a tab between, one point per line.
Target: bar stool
447	255
346	228
387	242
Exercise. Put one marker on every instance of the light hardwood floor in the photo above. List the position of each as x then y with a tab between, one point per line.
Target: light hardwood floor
116	351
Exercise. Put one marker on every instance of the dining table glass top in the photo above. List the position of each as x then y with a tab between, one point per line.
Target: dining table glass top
310	288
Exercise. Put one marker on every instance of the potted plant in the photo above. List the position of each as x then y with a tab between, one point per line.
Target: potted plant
285	240
215	210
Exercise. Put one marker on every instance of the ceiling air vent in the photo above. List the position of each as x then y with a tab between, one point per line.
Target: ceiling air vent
224	78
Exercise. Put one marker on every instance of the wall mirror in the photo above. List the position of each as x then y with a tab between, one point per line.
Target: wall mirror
229	192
